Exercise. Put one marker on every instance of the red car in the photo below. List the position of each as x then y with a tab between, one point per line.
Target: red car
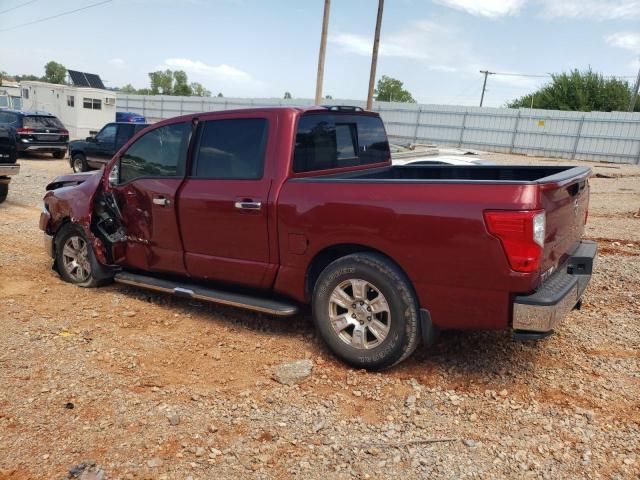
271	209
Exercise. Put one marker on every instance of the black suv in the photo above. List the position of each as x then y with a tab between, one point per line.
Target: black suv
95	152
37	132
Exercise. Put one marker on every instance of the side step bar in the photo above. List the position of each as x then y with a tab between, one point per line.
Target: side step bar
272	307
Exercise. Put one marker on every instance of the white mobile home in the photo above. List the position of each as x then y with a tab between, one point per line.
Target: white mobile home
80	109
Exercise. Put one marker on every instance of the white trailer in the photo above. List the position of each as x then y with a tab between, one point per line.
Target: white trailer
80	109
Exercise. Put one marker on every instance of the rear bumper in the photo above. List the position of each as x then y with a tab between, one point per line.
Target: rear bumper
544	309
48	245
42	147
9	170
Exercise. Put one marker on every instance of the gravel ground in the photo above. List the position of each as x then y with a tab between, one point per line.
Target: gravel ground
139	385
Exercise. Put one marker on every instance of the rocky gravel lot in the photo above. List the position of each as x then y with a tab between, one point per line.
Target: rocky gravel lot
121	383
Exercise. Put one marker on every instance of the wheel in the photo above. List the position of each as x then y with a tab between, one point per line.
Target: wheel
59	155
76	261
365	310
79	163
4	191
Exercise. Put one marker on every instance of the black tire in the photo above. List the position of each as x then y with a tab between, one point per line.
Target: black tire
79	163
59	155
381	277
4	191
96	274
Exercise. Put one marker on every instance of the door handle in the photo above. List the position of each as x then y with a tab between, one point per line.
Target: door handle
248	205
162	201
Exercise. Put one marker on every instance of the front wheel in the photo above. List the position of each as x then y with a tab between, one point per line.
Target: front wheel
76	261
4	191
365	310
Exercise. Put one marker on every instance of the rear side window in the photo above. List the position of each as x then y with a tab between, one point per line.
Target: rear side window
125	132
38	121
325	141
8	118
158	153
231	149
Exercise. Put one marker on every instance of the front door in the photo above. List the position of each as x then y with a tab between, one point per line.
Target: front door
100	151
150	172
223	204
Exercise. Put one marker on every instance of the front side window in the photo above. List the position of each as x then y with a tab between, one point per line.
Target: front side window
325	141
125	132
158	153
70	101
107	134
231	149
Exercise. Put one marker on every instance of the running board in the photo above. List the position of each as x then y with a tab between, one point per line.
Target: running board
272	307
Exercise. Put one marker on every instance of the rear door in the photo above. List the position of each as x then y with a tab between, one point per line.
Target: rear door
151	171
100	151
223	205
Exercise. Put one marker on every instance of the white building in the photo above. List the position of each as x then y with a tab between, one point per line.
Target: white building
80	109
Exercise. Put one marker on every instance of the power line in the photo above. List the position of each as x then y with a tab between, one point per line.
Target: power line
18	6
55	16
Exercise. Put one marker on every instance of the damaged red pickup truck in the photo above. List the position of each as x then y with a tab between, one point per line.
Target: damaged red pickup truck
272	209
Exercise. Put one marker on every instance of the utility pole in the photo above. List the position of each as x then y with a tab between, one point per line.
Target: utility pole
634	94
323	47
374	55
484	84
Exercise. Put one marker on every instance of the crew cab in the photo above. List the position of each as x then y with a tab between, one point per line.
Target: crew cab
95	151
8	156
274	209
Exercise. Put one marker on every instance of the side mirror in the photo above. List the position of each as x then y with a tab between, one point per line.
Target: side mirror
114	174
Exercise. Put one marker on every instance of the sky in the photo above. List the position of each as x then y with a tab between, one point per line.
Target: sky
259	48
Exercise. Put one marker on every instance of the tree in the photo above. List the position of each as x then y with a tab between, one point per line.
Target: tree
328	97
28	77
391	90
54	72
220	95
287	95
181	84
585	91
128	88
161	82
198	90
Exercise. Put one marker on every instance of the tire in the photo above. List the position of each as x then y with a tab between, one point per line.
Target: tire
75	260
384	327
59	155
4	191
79	163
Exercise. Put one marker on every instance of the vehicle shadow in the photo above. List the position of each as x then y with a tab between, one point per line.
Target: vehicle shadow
33	156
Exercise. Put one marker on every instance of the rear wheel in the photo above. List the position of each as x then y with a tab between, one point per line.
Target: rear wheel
79	163
76	261
365	309
59	155
4	191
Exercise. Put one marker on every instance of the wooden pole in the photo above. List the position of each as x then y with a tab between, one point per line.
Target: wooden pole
374	56
323	47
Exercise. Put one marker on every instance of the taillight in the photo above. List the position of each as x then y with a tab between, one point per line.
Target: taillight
24	130
64	132
521	234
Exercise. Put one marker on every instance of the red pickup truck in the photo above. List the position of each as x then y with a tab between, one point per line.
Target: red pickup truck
272	209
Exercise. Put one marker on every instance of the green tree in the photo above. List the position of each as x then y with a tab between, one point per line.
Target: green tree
585	91
220	95
128	88
3	75
287	95
328	97
161	82
28	77
181	84
54	72
391	90
198	90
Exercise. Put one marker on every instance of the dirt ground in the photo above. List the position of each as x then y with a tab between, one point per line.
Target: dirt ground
150	386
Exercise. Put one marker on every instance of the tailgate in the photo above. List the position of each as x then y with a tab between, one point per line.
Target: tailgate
566	205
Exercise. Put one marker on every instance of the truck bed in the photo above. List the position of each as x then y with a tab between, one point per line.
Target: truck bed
459	174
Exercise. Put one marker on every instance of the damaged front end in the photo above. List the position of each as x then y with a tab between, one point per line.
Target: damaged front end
80	199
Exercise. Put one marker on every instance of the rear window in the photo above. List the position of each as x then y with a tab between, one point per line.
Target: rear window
39	121
325	141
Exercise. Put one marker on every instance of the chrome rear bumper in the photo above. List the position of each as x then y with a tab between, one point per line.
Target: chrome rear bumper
544	309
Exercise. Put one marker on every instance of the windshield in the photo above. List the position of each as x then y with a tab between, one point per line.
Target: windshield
41	121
